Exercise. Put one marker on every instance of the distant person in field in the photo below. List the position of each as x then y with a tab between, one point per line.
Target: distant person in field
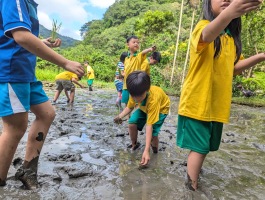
133	62
66	81
21	92
205	102
153	59
153	108
119	75
90	75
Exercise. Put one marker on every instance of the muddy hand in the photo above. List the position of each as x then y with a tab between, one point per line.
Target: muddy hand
117	120
75	67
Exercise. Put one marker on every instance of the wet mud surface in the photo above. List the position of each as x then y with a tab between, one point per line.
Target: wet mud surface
85	157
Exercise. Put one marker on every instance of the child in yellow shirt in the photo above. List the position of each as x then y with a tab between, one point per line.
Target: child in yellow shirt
153	107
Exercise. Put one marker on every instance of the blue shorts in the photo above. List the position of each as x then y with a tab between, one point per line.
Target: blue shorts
119	86
18	97
139	117
125	96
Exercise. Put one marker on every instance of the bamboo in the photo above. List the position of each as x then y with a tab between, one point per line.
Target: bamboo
188	50
177	42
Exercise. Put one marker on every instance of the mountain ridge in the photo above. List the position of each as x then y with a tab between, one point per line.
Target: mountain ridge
66	41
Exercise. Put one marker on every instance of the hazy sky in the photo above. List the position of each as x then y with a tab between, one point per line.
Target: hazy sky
72	13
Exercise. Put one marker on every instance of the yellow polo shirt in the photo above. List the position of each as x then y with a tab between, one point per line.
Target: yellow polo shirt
131	64
146	66
155	103
90	75
207	90
66	76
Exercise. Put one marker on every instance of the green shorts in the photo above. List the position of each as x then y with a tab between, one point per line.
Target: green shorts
125	96
139	117
90	82
198	136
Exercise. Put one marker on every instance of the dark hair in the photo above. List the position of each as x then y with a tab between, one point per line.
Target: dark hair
123	56
131	37
138	82
156	56
85	62
234	27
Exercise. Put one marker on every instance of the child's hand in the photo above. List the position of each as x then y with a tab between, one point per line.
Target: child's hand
238	8
145	158
54	44
153	48
117	120
74	67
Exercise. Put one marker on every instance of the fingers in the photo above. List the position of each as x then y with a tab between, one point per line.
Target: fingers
144	161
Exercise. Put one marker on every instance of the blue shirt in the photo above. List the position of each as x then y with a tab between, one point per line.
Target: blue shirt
16	63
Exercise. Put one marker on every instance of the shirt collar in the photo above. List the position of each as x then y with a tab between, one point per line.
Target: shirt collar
227	31
129	54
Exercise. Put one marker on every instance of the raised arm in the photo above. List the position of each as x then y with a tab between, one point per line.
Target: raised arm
234	10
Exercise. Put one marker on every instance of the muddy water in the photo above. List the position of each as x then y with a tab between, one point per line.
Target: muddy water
85	157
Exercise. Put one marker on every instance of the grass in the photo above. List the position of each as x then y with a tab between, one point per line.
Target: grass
250	101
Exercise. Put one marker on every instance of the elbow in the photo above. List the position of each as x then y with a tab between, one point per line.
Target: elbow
21	37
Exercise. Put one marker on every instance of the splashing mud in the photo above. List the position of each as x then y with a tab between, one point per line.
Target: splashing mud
85	157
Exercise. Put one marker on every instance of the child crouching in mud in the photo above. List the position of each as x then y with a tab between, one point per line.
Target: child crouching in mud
153	107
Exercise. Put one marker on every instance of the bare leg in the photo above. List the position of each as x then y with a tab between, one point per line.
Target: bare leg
38	131
72	95
14	127
67	95
194	165
56	95
133	134
45	115
154	144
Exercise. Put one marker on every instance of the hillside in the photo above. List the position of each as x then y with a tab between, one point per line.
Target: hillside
66	41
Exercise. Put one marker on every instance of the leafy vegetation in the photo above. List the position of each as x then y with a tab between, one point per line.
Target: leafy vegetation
157	22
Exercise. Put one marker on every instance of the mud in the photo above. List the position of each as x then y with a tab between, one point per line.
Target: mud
85	157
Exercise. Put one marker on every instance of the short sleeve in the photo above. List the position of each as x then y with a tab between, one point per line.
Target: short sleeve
131	104
196	35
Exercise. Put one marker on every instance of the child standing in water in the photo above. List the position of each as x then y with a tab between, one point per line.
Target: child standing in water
133	62
20	90
90	75
119	74
205	101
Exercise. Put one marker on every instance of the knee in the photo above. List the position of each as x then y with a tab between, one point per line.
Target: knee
47	116
132	126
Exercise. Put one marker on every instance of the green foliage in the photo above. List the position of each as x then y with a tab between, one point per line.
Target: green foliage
156	22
